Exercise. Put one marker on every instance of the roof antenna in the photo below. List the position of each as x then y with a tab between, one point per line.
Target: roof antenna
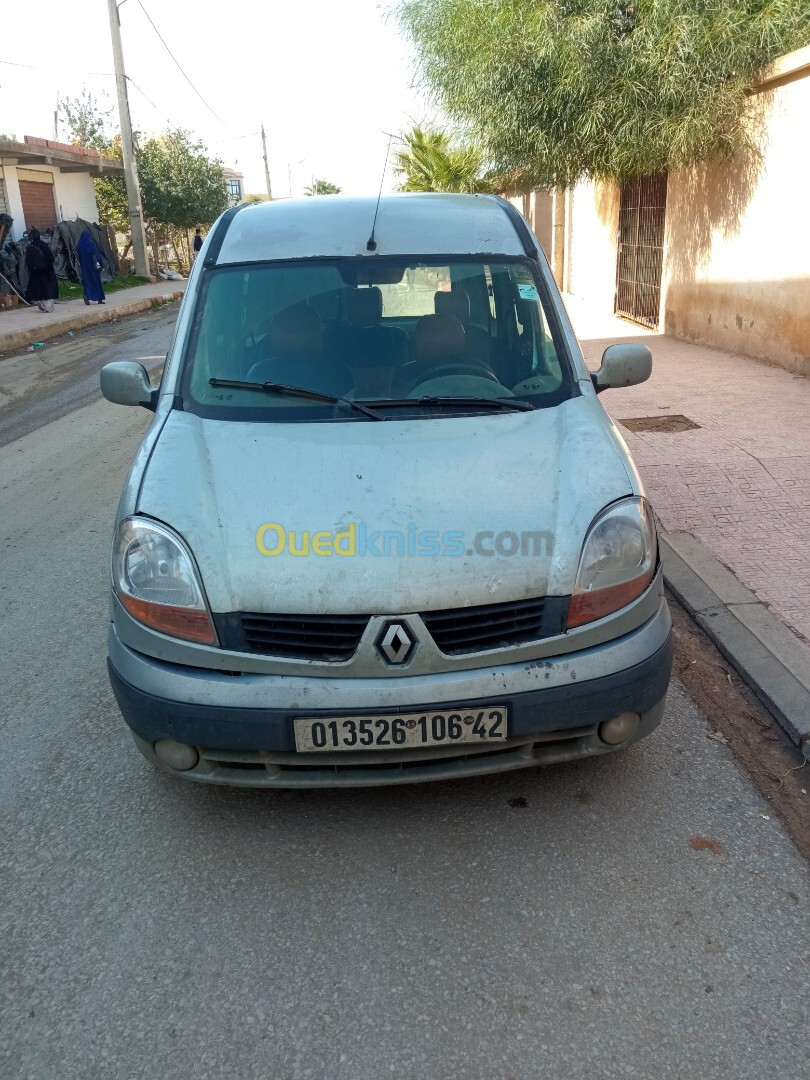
371	244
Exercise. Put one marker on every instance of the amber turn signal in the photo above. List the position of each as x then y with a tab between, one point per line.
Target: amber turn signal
587	606
177	621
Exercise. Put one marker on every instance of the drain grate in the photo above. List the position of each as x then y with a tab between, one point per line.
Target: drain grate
665	424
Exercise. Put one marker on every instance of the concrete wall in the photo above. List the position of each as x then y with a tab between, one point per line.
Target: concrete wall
75	196
537	208
13	201
737	249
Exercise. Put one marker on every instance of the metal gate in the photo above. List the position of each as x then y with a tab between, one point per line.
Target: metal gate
641	248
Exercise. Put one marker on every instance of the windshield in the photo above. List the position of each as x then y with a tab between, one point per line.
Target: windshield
407	335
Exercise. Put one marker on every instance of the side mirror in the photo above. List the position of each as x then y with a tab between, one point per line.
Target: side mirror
622	365
127	383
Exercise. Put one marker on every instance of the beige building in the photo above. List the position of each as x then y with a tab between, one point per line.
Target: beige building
235	183
718	253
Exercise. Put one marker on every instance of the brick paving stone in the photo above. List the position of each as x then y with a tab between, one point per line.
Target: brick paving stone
741	482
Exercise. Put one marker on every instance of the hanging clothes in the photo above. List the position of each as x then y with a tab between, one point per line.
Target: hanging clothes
89	262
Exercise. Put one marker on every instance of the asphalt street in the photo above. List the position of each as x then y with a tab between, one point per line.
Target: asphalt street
642	915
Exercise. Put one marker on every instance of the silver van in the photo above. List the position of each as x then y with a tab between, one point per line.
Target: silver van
380	529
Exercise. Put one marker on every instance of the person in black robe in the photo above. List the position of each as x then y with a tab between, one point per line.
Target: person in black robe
43	288
90	264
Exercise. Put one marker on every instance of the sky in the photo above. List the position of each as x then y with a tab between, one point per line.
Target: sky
327	78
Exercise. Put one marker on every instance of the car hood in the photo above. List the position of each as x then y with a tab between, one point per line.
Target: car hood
400	486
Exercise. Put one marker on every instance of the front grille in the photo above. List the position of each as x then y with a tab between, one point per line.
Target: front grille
493	626
302	637
334	638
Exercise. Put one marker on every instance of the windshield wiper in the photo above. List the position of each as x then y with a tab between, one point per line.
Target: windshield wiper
295	391
513	404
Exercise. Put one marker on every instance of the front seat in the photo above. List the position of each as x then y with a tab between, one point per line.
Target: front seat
438	342
373	352
477	345
296	354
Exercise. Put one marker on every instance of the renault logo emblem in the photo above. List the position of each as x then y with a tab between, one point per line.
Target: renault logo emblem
396	642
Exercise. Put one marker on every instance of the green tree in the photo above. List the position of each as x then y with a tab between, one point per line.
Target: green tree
429	162
323	187
89	123
554	90
180	184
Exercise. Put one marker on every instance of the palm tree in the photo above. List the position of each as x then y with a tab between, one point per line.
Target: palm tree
429	162
322	187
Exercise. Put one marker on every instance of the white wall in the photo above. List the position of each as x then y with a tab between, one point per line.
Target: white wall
75	196
14	201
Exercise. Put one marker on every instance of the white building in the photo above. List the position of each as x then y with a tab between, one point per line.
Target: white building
42	182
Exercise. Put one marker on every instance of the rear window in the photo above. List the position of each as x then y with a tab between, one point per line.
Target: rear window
378	331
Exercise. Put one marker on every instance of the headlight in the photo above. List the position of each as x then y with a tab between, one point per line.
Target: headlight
155	579
617	563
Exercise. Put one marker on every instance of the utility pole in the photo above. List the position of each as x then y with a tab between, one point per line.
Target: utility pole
266	167
128	147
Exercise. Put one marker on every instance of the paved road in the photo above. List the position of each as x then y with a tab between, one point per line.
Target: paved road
37	387
151	928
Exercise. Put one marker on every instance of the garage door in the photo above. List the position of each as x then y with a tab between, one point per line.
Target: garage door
39	205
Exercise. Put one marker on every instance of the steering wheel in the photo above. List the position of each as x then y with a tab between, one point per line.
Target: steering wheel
474	370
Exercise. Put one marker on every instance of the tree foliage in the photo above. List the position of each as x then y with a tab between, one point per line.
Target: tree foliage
89	123
429	162
323	187
180	185
88	120
553	90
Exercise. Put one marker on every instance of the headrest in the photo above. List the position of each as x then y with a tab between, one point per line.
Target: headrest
365	306
296	331
453	303
439	337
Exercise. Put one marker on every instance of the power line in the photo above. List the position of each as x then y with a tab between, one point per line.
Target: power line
145	96
56	67
180	69
235	138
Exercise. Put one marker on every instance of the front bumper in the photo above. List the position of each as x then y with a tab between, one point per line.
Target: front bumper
556	706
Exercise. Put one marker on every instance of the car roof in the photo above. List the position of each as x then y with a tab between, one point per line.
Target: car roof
336	226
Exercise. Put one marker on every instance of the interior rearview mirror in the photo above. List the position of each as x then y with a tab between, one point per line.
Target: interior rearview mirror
127	383
622	365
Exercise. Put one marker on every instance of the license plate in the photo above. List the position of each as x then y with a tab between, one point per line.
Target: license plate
399	732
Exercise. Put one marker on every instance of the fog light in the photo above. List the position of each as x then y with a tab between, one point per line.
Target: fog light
177	755
620	728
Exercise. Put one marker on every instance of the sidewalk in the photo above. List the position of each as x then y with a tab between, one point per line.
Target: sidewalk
22	326
740	481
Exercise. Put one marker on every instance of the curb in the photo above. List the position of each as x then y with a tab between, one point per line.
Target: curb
759	646
19	339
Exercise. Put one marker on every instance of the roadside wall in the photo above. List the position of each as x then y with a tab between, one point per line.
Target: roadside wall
737	248
736	260
537	207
